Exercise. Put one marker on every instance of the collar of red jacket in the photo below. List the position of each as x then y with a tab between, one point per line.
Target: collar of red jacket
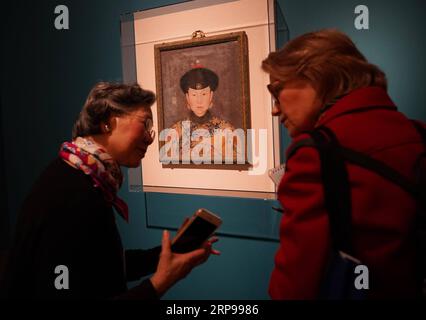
358	100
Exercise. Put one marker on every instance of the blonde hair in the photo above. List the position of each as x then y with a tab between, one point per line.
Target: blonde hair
328	60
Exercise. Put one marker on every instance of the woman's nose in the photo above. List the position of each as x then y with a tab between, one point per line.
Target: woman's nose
276	111
149	137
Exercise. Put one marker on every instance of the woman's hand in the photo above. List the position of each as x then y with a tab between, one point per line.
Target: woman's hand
173	267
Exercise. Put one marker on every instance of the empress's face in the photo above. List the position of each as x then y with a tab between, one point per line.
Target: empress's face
199	101
297	105
130	137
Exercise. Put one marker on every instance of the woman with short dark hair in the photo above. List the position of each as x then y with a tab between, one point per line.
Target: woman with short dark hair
67	220
321	80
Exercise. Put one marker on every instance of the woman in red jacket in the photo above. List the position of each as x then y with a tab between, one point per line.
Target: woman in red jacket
321	79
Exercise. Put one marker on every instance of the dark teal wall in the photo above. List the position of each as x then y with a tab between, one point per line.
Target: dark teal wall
46	75
395	40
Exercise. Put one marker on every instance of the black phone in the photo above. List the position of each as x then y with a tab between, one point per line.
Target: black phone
196	231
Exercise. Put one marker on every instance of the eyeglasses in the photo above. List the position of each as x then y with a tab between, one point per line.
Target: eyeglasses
275	88
148	127
148	124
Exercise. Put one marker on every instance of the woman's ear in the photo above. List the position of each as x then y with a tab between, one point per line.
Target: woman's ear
108	126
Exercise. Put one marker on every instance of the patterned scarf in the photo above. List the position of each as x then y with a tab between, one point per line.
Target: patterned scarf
89	157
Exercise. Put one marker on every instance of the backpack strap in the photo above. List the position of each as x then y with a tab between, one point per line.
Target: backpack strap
337	193
337	197
336	183
389	173
361	159
380	168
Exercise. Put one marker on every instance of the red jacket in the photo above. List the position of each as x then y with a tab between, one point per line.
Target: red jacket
382	213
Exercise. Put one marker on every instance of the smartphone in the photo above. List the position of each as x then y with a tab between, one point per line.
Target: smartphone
196	231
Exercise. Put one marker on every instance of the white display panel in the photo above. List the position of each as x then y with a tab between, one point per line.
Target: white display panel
178	22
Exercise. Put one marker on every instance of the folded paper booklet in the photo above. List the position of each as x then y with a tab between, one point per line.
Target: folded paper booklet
277	173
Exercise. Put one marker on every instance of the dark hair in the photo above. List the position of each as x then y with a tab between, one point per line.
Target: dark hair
106	100
199	78
329	60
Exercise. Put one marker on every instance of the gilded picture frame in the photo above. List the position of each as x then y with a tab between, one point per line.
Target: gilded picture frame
228	96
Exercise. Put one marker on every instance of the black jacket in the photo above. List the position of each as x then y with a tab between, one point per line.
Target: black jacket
66	221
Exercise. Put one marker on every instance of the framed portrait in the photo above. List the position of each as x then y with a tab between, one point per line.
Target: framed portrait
203	101
224	68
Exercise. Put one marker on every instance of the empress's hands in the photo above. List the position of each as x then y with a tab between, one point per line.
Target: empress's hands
173	267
